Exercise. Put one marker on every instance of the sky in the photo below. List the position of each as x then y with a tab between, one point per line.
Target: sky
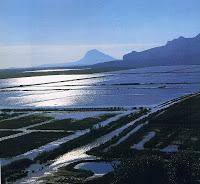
35	32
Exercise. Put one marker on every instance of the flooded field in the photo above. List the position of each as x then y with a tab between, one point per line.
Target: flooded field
136	87
72	121
48	131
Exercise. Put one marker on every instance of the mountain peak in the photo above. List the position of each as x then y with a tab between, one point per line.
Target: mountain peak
175	41
93	52
180	38
91	57
94	56
180	51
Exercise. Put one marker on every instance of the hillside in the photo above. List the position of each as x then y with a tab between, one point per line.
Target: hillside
180	51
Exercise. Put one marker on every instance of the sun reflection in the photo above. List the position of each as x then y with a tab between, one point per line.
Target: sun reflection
50	91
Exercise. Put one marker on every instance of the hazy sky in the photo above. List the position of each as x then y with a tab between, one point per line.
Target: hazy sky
34	32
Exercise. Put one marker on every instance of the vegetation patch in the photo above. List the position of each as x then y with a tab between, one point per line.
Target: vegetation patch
8	133
89	137
71	124
5	115
99	151
145	169
15	170
23	121
68	174
27	142
184	114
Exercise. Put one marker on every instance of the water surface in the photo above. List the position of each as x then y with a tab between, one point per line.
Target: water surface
136	87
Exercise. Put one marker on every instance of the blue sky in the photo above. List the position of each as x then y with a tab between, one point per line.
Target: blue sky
34	32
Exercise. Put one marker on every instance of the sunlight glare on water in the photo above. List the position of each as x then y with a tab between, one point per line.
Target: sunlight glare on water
122	88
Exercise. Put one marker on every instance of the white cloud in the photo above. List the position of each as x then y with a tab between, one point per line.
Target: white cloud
33	55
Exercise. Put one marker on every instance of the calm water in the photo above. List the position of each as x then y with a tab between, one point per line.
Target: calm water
137	87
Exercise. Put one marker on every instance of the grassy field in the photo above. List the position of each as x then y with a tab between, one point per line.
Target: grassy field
176	125
5	115
15	170
7	133
67	175
184	114
71	124
28	142
89	137
23	121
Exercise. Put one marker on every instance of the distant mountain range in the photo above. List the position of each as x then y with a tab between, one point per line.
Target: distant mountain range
91	57
180	51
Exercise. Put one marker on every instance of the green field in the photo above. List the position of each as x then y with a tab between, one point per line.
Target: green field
23	121
175	125
7	133
71	124
28	142
6	115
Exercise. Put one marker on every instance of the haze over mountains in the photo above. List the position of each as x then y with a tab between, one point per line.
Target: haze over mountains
91	57
180	51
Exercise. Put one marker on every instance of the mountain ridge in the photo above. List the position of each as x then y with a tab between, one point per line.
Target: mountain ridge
179	51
